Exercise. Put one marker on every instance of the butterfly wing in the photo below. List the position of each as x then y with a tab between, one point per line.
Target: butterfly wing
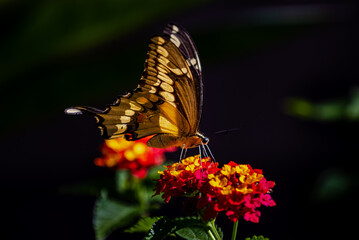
182	40
168	99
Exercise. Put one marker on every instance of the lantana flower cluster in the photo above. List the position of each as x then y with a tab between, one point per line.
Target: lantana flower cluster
238	190
135	156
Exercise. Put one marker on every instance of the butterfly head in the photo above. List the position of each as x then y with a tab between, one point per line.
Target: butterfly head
203	139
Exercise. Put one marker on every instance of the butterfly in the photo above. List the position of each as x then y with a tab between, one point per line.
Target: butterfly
167	103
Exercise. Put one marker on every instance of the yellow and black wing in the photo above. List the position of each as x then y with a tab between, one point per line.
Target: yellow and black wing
168	99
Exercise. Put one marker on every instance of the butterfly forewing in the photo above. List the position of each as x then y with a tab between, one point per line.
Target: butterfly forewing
168	100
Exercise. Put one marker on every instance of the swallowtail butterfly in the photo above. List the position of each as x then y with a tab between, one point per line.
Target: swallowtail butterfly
167	104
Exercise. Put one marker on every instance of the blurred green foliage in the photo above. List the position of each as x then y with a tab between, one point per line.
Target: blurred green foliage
51	29
334	184
345	109
260	237
122	199
56	54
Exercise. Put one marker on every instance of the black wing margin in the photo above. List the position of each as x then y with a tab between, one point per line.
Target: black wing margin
181	38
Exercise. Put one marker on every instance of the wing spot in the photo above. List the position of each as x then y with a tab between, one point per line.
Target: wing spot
152	71
152	78
129	112
192	62
151	62
121	128
152	54
150	82
175	40
142	100
166	87
158	40
162	51
153	98
152	46
149	88
128	94
175	29
167	96
165	78
162	69
125	119
164	61
134	106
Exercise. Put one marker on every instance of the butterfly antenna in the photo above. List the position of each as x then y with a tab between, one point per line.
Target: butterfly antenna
209	150
180	159
226	131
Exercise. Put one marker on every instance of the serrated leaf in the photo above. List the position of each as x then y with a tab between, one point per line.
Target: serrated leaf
192	228
111	214
143	225
161	229
194	233
189	221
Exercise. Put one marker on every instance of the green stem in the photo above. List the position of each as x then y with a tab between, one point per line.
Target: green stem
234	232
214	230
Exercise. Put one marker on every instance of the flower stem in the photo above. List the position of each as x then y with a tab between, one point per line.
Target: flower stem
234	232
214	230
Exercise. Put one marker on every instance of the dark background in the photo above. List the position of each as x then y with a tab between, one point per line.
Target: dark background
255	55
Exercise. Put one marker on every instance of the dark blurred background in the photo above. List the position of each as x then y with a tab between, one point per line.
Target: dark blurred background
256	56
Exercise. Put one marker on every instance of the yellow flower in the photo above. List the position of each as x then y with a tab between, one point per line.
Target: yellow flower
243	189
255	177
217	182
227	190
227	170
242	169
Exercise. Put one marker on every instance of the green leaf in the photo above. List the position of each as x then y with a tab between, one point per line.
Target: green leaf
161	229
111	214
195	233
260	237
185	228
196	228
143	225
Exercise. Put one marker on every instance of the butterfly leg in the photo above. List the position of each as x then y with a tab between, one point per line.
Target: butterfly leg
205	154
209	150
181	155
185	153
200	157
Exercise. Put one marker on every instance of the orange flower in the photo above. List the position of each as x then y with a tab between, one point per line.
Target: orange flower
132	155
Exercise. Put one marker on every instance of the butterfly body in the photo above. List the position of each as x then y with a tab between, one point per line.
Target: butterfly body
167	102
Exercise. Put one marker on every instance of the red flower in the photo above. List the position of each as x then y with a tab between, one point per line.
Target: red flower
185	177
132	155
236	189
